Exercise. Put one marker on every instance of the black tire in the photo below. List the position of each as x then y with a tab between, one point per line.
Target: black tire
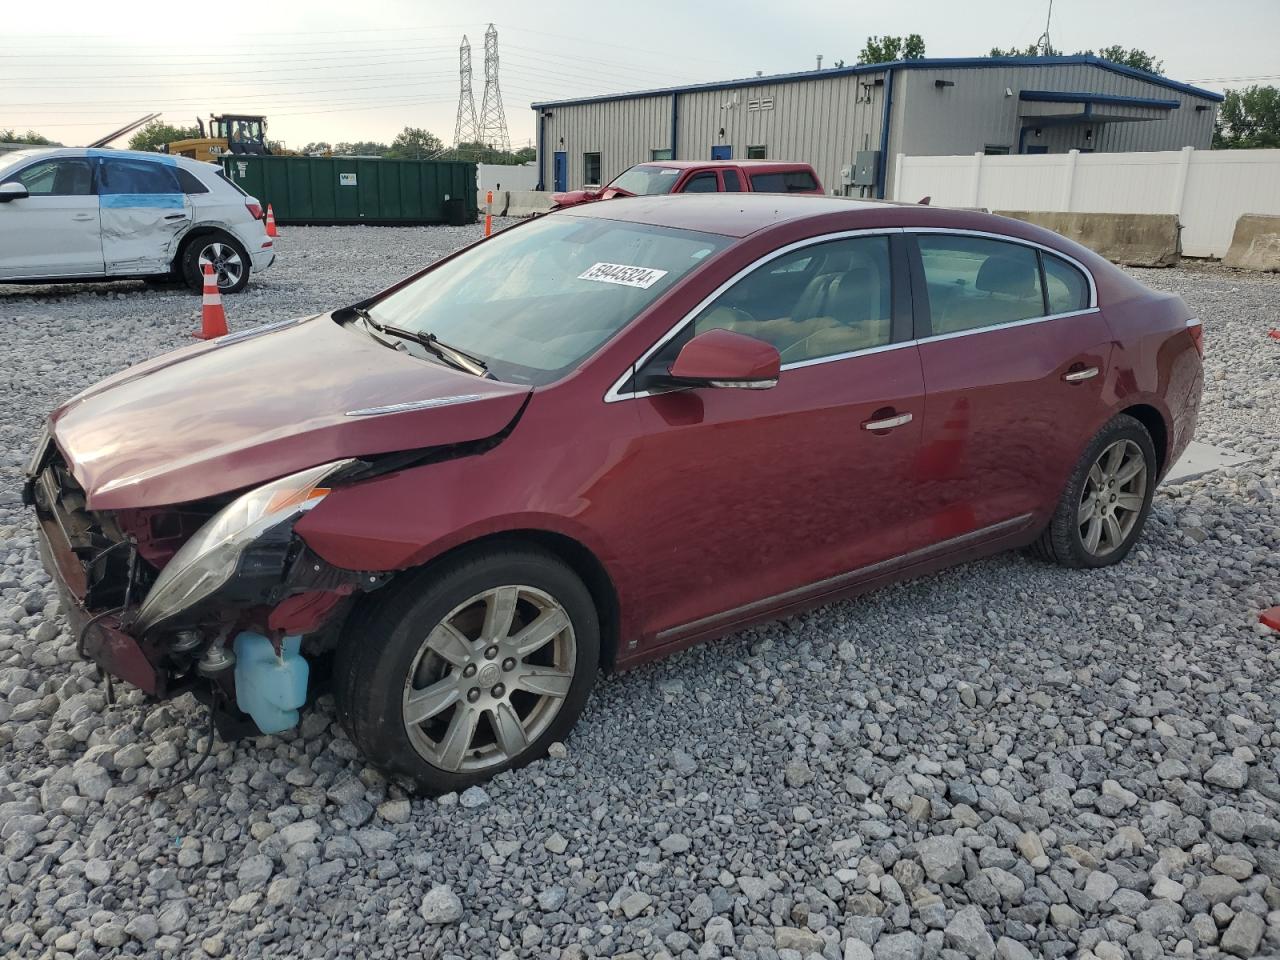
1063	541
229	281
383	640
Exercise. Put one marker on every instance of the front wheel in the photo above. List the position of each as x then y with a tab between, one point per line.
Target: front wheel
472	667
1106	503
228	258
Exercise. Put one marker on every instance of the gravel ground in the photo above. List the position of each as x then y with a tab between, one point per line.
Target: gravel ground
1006	760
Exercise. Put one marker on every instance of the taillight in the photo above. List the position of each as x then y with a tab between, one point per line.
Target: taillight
254	208
1196	329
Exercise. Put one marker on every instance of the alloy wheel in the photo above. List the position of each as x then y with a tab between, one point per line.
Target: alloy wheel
489	679
1115	492
226	263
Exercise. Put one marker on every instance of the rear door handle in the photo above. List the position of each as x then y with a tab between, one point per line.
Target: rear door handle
84	216
1076	376
887	423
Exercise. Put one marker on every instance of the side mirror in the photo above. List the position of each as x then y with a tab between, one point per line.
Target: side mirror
12	191
723	358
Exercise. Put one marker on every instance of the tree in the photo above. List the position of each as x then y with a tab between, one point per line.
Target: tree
157	132
1249	118
361	148
414	143
31	137
887	49
317	148
1138	59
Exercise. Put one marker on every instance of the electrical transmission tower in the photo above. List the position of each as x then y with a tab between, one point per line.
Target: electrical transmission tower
467	128
493	122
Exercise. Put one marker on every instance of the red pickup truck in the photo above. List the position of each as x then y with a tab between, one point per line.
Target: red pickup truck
701	176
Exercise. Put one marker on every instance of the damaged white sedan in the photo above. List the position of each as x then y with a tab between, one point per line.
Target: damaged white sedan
78	213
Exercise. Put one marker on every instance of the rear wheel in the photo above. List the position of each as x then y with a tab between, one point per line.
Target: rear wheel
228	258
470	668
1106	503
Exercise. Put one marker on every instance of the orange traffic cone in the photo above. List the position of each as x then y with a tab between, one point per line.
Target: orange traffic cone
271	222
213	321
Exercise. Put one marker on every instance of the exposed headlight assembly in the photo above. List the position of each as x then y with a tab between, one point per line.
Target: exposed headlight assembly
207	561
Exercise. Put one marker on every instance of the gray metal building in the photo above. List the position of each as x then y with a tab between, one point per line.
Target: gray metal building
849	122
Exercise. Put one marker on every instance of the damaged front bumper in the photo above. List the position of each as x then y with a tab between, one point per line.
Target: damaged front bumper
158	597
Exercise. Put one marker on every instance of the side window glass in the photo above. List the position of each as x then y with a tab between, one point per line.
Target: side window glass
819	301
1064	285
731	182
138	177
975	282
700	183
63	177
188	181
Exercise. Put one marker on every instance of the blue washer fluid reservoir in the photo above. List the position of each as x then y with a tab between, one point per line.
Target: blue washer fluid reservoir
270	688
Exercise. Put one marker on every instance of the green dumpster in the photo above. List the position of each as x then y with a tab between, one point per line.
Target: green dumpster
333	190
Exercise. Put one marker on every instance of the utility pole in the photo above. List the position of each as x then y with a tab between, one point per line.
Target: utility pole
467	128
493	122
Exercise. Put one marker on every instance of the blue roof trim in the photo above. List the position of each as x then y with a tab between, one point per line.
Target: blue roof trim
939	63
1059	96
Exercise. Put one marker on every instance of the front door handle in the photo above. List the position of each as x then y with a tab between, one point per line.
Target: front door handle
84	216
175	216
1075	375
887	423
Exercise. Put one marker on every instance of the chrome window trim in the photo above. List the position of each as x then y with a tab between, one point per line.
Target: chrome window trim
615	393
1004	237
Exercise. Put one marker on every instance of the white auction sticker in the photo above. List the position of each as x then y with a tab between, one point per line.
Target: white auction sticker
642	277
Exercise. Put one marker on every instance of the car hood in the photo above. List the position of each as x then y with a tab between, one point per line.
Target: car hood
213	418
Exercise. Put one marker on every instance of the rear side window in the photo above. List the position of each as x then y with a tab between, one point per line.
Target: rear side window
1064	285
189	183
731	182
700	183
790	181
138	176
975	282
234	186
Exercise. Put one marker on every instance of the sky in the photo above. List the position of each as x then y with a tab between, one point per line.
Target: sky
347	70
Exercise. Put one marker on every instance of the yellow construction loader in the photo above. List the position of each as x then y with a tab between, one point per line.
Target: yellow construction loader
227	134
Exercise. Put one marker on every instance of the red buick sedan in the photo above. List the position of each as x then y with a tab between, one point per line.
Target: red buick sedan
596	438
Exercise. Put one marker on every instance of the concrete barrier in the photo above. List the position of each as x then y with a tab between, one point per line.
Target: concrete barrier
1255	245
525	203
1131	239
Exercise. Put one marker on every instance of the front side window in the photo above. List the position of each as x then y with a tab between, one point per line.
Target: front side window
137	177
58	177
819	301
701	183
536	300
591	168
1064	285
646	180
975	282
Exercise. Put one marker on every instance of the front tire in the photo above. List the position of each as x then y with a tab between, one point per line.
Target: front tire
229	259
473	666
1106	503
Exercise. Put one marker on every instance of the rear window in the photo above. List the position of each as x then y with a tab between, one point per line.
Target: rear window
189	182
788	181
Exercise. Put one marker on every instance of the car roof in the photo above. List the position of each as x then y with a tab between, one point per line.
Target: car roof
169	158
754	164
728	214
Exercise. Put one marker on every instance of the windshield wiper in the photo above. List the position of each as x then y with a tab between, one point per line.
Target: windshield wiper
442	351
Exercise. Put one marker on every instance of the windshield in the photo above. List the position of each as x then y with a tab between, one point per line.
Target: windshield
645	180
535	301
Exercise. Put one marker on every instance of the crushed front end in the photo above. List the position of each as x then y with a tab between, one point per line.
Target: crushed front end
164	597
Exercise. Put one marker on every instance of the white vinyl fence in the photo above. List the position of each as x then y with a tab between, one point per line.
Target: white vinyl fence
1207	189
506	176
